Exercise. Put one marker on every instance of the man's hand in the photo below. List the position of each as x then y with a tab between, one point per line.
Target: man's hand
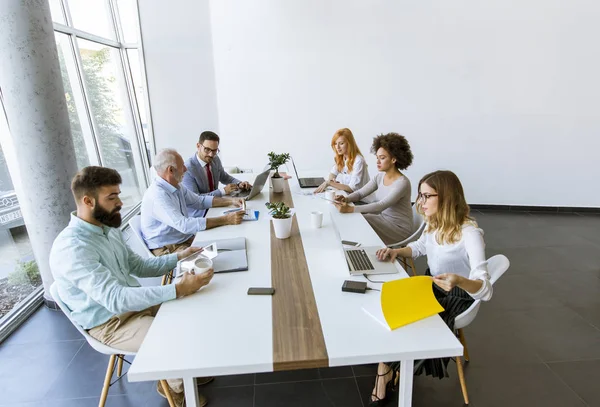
190	282
188	252
239	202
321	187
234	218
447	281
229	188
344	207
245	185
386	254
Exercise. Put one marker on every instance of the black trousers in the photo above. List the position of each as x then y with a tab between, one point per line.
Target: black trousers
455	302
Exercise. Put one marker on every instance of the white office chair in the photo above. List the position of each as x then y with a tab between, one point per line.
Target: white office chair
116	355
140	247
497	266
418	228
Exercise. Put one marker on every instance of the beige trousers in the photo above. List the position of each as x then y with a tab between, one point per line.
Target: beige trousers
127	331
172	248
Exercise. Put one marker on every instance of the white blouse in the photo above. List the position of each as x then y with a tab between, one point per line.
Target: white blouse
465	257
355	179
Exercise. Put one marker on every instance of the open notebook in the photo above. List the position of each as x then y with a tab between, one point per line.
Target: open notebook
231	255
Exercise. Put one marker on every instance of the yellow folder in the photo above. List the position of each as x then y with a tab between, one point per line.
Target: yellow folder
408	300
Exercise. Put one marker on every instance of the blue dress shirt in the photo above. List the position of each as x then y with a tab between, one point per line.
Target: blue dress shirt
171	215
93	268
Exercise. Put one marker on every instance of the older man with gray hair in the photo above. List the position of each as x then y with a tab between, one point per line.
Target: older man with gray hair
171	214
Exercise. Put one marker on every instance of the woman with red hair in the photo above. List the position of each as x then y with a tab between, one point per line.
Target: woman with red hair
349	173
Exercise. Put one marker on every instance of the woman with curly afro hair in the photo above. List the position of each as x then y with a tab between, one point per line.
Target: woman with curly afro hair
390	213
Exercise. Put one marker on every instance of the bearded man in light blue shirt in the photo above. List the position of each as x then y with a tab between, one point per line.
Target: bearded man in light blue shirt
172	214
94	269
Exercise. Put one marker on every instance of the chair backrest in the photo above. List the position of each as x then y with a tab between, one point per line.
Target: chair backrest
94	343
418	228
140	246
497	266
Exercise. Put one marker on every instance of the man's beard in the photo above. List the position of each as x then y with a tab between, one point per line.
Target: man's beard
111	219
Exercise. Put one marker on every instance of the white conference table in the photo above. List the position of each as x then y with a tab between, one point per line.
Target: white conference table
223	331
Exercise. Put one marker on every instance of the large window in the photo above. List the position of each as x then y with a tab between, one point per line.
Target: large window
103	76
102	69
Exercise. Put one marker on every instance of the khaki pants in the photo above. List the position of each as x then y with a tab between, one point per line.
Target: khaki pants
127	331
173	248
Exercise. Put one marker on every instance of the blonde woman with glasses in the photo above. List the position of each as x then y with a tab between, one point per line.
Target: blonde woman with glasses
455	253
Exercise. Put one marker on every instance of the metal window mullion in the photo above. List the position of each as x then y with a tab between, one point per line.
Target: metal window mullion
85	35
116	20
145	82
130	93
79	100
67	11
85	92
63	10
138	159
139	132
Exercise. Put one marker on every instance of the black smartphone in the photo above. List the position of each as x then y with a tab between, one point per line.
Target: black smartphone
261	291
349	243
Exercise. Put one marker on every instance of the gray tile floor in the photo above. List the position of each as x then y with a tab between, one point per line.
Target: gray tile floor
537	343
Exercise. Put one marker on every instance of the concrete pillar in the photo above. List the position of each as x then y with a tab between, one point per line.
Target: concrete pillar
40	151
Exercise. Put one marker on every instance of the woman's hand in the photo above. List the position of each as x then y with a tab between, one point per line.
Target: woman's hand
340	198
321	187
386	254
448	281
344	207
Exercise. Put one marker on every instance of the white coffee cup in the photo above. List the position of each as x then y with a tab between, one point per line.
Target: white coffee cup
330	195
202	264
316	219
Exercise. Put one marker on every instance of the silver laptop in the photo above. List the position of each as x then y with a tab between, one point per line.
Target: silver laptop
307	182
231	256
258	185
363	260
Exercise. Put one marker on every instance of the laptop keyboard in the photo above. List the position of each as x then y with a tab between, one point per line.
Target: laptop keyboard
360	260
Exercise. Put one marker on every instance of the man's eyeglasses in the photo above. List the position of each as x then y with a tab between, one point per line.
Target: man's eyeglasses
210	150
424	197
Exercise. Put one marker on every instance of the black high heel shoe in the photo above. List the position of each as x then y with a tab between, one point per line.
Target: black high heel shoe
388	388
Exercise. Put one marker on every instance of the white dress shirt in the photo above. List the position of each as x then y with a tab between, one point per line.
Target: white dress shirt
465	257
355	179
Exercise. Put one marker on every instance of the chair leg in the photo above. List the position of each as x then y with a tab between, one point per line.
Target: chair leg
461	338
461	376
120	366
412	265
164	280
167	391
109	372
170	276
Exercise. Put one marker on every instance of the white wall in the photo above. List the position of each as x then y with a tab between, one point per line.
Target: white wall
504	94
178	54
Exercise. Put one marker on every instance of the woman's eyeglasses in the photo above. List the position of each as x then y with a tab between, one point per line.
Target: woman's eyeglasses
424	197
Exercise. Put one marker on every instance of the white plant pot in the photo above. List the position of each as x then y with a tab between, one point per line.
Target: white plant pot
278	184
283	227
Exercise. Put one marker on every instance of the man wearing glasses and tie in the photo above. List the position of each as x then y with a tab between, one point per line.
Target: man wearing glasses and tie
205	170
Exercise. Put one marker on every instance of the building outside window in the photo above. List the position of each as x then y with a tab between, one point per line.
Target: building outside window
101	62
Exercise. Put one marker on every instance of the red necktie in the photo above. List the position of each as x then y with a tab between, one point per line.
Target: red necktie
211	183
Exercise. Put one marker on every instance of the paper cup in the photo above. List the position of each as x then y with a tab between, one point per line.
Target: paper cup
202	264
316	219
330	195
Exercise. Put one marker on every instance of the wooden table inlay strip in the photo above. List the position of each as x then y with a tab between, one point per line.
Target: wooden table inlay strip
298	341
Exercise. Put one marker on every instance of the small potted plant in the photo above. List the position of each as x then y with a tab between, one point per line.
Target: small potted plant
276	161
282	219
